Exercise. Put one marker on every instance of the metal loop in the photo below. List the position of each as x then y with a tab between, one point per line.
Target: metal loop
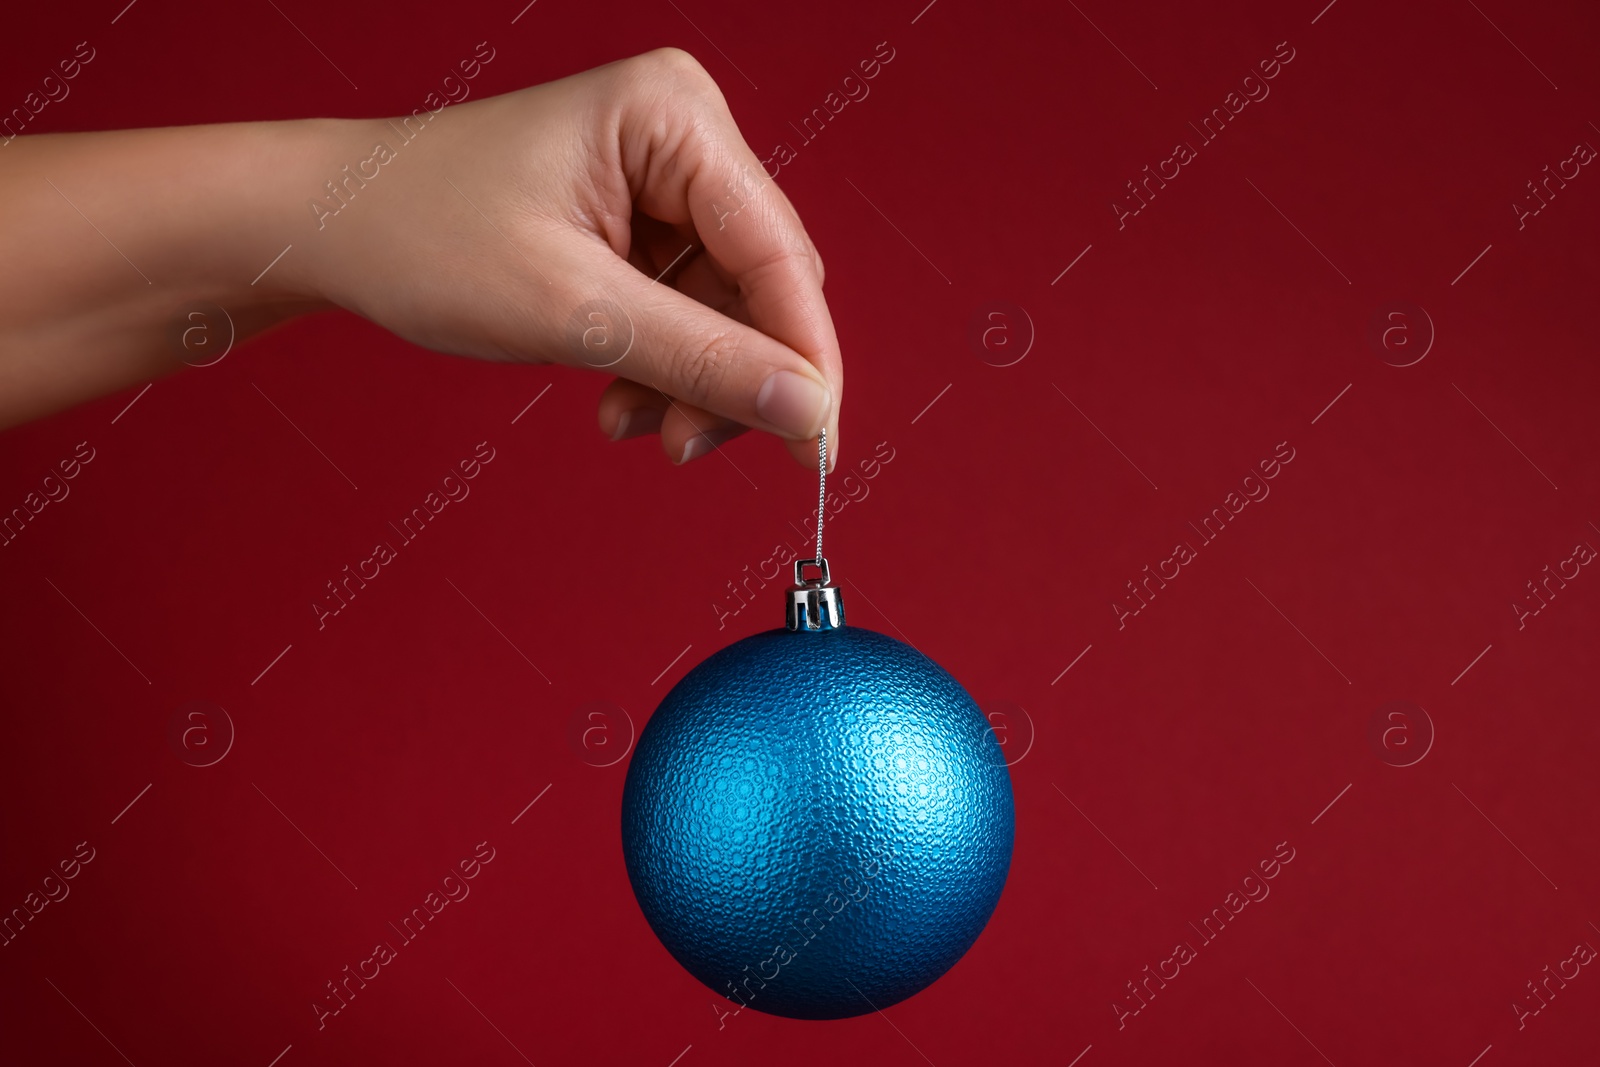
820	564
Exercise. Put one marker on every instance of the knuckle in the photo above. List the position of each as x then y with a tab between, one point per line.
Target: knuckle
703	366
674	65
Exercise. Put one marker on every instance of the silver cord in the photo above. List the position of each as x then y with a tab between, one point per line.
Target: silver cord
814	604
822	486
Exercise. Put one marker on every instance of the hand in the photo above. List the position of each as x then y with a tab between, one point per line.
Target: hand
614	220
532	226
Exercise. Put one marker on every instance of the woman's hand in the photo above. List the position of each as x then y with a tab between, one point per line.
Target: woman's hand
614	220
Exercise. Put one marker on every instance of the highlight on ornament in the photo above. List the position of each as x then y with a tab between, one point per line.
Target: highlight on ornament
817	821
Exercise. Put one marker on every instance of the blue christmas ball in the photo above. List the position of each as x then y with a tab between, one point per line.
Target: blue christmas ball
817	824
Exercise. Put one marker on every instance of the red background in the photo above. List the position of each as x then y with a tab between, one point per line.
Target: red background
1176	753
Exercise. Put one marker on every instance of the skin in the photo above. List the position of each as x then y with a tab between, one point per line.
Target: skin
486	235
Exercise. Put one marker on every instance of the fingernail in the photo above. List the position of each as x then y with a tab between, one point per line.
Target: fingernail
701	443
637	422
793	403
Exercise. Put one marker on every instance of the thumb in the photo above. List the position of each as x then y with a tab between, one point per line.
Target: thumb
657	336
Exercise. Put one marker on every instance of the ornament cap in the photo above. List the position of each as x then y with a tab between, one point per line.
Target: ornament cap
813	603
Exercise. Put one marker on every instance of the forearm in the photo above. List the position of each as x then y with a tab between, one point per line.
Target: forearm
111	237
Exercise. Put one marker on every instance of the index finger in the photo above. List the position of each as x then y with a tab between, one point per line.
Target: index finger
686	162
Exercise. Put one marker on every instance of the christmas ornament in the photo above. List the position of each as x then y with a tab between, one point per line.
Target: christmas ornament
818	820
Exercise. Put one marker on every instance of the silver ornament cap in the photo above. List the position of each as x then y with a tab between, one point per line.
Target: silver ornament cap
814	603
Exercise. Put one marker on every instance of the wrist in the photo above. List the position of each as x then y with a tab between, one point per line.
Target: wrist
288	255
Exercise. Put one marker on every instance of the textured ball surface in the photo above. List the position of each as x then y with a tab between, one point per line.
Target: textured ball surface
817	824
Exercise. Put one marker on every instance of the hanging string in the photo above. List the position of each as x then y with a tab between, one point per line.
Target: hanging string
822	486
